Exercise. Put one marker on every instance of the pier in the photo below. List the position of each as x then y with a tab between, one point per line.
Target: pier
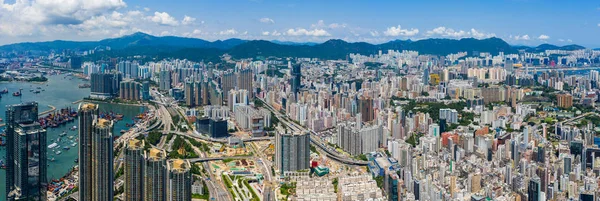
52	109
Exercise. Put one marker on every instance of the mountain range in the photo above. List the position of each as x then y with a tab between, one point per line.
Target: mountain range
198	49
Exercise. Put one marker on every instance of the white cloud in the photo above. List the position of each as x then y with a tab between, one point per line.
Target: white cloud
523	37
146	9
187	20
544	37
322	25
275	33
599	24
267	20
398	31
319	24
451	33
265	33
480	35
163	18
33	17
374	33
228	32
569	40
336	26
304	32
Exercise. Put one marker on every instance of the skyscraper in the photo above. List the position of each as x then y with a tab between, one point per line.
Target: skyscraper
105	85
155	175
102	160
533	189
365	105
180	183
87	113
296	79
228	83
197	93
244	81
189	94
426	76
95	154
25	154
134	170
165	80
392	186
292	151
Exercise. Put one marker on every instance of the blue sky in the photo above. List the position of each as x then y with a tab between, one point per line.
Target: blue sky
519	22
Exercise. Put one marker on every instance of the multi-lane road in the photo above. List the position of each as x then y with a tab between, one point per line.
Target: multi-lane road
314	140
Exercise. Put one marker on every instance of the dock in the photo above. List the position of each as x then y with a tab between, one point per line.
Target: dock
52	109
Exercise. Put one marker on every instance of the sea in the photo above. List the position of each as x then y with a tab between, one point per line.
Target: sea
61	91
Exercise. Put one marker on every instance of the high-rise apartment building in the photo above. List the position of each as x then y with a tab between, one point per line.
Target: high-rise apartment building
180	180
134	170
102	160
155	175
296	80
365	105
564	100
189	93
87	114
292	151
25	154
130	90
244	81
95	154
105	85
165	80
228	82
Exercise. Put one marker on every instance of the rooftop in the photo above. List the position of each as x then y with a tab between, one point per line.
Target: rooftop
135	144
155	153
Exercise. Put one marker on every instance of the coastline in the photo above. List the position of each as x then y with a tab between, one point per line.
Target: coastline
86	99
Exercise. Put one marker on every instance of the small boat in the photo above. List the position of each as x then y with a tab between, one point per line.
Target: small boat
57	139
73	128
36	92
1	120
64	133
4	91
123	131
52	146
17	94
58	152
77	160
52	159
71	137
39	88
74	144
66	148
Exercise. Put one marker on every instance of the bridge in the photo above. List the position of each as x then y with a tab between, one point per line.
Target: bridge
199	136
194	160
579	117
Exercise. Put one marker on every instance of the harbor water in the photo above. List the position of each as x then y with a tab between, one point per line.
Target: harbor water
60	91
